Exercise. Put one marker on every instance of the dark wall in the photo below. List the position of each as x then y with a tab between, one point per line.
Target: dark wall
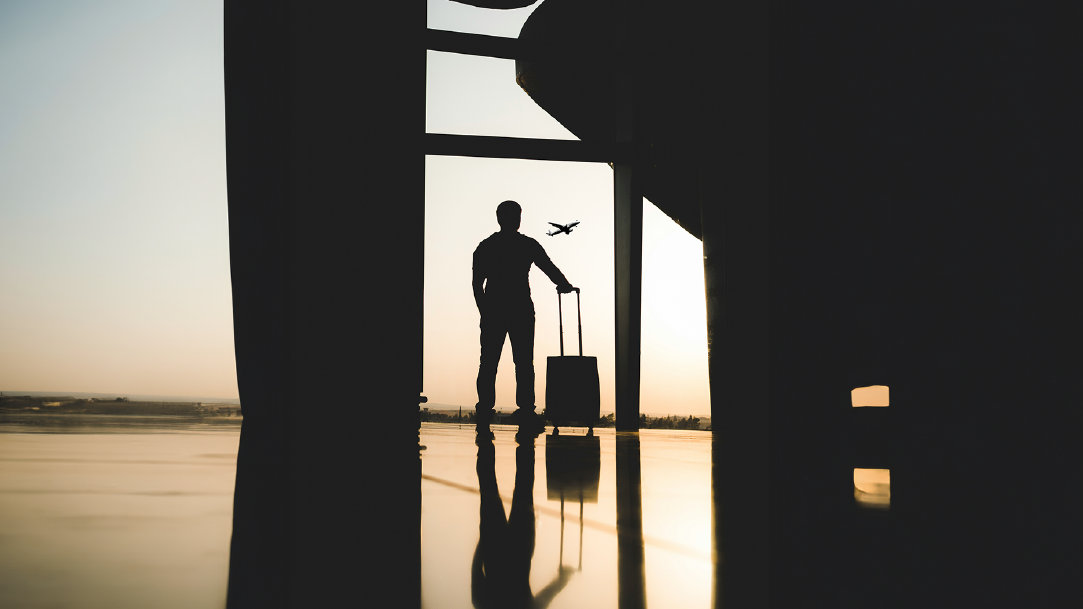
925	223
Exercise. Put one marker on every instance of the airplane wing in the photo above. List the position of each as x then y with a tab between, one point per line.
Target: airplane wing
556	225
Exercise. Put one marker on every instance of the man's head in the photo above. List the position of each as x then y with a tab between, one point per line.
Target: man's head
509	215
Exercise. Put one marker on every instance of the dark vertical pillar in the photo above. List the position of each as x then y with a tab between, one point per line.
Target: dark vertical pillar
735	202
631	584
324	127
628	269
627	224
257	155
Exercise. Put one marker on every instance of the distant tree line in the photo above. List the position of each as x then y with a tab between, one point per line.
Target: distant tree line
670	422
609	420
25	404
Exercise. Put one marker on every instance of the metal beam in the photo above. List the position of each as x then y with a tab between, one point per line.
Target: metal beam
445	144
472	44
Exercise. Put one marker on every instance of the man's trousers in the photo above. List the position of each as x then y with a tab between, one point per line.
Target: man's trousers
495	326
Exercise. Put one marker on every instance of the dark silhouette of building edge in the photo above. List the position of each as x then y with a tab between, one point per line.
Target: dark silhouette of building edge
888	195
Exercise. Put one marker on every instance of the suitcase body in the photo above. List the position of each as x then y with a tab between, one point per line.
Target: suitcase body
571	385
571	391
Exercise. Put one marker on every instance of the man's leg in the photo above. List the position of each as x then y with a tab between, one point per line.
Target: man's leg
521	331
493	331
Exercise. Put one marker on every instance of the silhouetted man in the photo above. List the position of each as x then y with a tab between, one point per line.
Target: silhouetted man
502	292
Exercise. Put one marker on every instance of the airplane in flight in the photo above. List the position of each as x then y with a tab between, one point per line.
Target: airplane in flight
562	228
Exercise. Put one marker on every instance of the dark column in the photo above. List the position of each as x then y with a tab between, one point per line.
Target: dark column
257	161
326	187
628	268
627	224
734	194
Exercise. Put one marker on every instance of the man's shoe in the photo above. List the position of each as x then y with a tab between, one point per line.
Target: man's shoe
521	415
528	419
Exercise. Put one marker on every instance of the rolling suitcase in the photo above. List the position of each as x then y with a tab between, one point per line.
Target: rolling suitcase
571	382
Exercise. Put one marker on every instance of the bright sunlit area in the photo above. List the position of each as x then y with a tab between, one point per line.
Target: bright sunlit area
479	96
872	395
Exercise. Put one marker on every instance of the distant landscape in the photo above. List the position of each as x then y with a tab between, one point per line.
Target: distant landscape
41	403
25	404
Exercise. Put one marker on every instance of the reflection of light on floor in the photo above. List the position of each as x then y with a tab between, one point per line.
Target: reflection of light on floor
872	487
873	395
669	522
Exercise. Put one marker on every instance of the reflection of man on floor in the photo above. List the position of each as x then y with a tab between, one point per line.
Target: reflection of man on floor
500	572
502	292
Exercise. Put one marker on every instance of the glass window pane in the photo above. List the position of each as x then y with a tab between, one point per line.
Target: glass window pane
472	95
872	487
873	395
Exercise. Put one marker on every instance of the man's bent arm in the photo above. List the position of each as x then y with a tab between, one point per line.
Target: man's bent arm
546	265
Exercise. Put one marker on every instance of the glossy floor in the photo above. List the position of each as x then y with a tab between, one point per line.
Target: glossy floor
119	513
615	520
115	512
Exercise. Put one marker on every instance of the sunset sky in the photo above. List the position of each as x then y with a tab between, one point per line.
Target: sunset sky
114	257
114	260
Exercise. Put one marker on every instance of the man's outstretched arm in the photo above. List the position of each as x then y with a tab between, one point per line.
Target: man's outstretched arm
541	259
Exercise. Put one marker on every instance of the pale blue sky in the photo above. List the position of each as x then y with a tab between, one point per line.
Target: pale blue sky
114	263
114	260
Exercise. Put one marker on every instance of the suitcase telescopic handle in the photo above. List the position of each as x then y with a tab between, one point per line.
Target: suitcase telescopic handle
579	314
560	559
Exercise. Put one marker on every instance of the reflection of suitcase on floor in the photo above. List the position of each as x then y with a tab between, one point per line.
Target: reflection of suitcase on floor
573	467
572	471
571	383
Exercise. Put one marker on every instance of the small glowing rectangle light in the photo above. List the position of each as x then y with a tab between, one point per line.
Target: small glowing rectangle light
872	488
873	395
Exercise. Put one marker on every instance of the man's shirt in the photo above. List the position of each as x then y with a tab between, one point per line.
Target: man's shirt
502	270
